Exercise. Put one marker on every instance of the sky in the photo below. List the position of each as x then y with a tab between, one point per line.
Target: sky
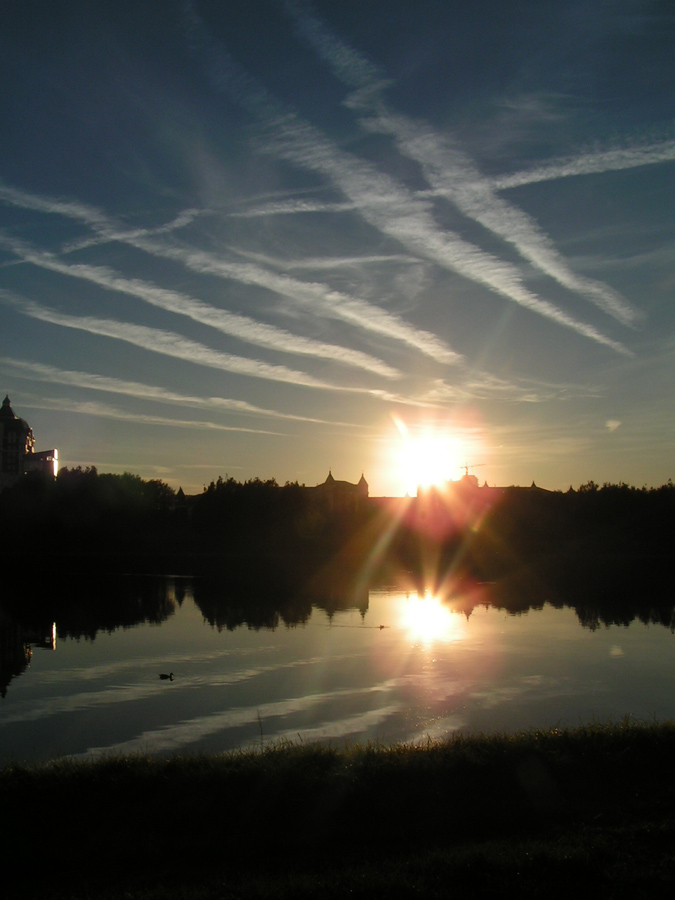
394	238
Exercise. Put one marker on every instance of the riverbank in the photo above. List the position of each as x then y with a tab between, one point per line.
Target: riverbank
552	812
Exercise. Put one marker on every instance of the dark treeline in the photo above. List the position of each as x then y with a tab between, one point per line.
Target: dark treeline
82	511
83	520
259	531
505	533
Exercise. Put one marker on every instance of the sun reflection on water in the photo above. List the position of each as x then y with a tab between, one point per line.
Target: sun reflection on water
428	620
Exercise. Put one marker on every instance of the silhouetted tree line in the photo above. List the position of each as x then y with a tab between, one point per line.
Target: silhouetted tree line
82	498
128	523
614	520
499	532
259	515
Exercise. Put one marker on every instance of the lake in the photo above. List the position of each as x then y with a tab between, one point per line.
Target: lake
386	665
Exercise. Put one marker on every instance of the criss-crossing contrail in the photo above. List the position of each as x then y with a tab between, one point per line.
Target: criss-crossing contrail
382	201
449	171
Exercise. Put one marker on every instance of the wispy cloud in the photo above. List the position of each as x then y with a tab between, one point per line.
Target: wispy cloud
590	163
241	327
396	212
483	386
167	343
319	298
383	202
184	218
292	208
449	170
538	444
71	209
327	262
88	215
102	410
88	381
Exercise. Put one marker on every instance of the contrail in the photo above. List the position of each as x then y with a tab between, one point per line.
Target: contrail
330	303
395	211
167	343
87	380
174	345
102	410
454	176
242	327
382	201
591	163
449	171
320	298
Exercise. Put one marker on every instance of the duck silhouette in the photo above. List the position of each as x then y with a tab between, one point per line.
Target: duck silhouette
166	677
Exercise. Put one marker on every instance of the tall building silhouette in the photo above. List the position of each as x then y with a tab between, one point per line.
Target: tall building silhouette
17	449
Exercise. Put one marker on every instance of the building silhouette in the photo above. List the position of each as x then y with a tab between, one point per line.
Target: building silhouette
338	496
17	449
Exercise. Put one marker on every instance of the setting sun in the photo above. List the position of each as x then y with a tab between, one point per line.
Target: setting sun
429	456
428	460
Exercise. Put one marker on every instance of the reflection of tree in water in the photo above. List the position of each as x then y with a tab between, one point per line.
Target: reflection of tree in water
15	653
84	605
616	591
275	595
602	594
255	602
106	605
645	610
16	645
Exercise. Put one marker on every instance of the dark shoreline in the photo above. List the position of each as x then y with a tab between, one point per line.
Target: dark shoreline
541	812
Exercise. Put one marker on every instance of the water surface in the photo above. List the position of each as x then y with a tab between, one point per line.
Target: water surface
392	666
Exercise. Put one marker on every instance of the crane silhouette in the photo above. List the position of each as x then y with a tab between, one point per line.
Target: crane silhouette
467	467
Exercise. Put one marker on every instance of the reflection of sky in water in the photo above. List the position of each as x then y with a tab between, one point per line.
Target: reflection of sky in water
413	668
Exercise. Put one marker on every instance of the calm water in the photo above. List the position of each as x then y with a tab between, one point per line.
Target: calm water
402	667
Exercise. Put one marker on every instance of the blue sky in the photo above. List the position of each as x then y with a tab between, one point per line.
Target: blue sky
271	238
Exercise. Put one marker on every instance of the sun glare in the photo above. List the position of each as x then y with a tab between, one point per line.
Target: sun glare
430	453
428	460
427	619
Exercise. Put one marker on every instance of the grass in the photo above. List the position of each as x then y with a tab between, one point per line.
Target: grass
540	812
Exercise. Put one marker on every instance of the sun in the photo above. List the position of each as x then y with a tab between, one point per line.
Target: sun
429	453
428	459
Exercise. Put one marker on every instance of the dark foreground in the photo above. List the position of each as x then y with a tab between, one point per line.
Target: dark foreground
542	814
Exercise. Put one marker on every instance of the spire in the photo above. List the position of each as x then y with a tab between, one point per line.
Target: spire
7	412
